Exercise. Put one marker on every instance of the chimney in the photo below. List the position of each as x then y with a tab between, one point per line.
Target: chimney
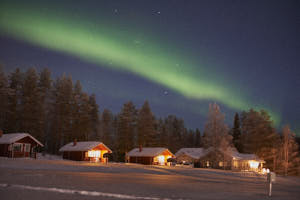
74	142
141	148
1	133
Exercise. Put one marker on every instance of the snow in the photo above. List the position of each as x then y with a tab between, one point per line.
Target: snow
82	146
147	152
55	176
13	137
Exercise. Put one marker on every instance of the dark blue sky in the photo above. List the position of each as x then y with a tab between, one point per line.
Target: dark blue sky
253	46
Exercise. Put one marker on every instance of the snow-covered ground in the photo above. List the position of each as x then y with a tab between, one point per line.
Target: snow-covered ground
50	177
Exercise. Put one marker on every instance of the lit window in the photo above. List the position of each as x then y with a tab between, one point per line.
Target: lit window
220	164
253	164
161	160
94	154
207	163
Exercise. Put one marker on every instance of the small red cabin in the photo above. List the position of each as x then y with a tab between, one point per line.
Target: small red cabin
15	145
149	155
85	151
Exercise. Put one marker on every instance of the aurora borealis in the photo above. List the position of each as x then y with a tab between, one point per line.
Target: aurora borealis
135	50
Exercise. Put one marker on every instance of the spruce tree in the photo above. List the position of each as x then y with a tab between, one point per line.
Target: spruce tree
236	133
45	86
126	129
4	98
13	120
259	136
31	105
106	127
94	117
147	135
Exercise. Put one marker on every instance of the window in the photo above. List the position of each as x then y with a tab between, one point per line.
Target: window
27	147
17	147
220	164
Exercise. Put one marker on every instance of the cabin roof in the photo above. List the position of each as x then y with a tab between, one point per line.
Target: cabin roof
194	153
197	153
14	137
82	146
148	152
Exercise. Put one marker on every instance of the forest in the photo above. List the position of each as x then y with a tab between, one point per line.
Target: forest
58	111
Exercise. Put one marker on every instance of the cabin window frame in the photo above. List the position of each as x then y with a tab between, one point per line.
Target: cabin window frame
27	147
17	147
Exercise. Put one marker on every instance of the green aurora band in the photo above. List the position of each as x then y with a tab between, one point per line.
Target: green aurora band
102	45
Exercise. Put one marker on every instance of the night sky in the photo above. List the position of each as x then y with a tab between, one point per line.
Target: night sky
179	55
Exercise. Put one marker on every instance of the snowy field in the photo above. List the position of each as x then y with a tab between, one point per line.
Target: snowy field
50	177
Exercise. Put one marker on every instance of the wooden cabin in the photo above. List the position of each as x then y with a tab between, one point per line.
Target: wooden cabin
231	159
149	156
85	151
189	155
15	145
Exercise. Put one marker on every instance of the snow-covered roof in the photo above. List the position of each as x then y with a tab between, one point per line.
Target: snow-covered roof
83	146
147	152
14	137
195	153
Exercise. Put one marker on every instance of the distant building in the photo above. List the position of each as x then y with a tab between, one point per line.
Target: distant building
85	151
189	155
210	158
149	156
16	145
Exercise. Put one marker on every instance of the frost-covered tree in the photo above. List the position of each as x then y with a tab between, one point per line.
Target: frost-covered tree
291	159
216	131
216	134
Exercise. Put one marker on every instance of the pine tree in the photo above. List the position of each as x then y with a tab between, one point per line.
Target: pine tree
62	113
107	127
236	133
94	117
259	136
45	86
31	105
126	129
13	120
198	138
147	135
4	97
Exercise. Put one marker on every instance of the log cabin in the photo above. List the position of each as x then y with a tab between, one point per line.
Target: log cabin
209	158
15	145
149	156
85	151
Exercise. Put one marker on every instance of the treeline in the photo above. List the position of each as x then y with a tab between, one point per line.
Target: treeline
58	111
253	133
